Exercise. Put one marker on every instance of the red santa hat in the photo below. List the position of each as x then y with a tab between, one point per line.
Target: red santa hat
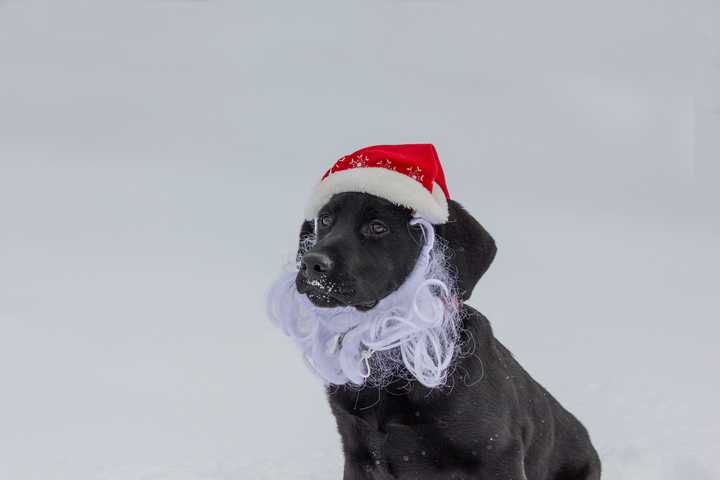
407	175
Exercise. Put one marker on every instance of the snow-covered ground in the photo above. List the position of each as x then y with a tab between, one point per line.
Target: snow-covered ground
155	156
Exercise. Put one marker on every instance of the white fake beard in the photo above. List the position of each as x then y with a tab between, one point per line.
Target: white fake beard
413	333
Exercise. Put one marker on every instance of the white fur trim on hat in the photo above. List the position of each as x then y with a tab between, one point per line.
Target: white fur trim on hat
390	185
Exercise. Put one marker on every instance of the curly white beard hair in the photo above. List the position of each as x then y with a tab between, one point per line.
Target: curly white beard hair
413	333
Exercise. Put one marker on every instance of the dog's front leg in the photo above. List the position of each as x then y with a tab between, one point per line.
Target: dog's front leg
364	469
355	471
508	465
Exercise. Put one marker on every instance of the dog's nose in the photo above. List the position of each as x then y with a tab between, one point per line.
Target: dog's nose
315	265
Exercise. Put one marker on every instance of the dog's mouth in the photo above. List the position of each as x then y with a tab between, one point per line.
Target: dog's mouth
321	299
365	306
324	297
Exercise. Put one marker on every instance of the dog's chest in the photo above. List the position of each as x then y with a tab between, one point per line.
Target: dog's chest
394	436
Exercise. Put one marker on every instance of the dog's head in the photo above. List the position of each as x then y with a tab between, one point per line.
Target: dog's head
365	248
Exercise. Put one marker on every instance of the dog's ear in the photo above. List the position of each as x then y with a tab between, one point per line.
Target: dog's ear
472	247
307	230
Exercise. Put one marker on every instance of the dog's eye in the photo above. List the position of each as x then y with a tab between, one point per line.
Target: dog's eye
325	220
377	228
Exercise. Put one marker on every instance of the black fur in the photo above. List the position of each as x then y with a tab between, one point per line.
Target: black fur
492	420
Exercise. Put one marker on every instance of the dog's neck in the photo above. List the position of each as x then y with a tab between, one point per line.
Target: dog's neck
412	333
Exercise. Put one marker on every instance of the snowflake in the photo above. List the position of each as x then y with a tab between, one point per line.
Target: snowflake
337	165
414	173
358	162
386	164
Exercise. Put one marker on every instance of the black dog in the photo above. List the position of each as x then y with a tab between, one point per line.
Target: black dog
491	420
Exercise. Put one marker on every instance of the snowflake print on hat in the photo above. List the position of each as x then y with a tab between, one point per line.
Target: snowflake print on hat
386	164
359	162
414	173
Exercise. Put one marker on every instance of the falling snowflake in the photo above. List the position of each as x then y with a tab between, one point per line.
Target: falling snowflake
414	173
